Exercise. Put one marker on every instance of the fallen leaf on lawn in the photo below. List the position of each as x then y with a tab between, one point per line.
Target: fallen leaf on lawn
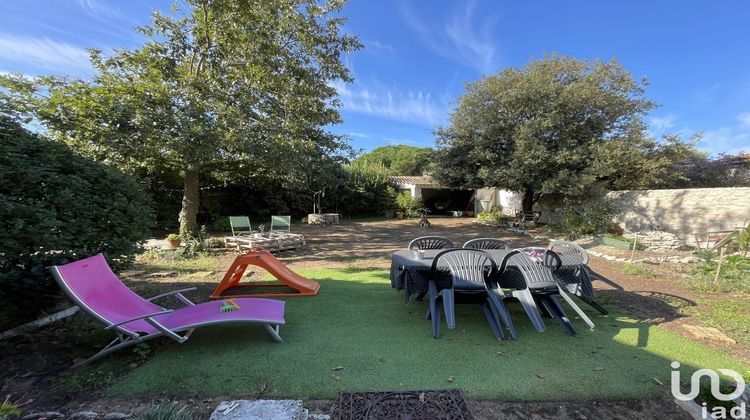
339	367
540	376
502	353
658	381
599	369
451	378
336	377
421	397
382	359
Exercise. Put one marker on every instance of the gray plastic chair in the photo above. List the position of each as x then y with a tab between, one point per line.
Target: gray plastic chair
539	287
574	257
471	271
571	254
486	243
431	242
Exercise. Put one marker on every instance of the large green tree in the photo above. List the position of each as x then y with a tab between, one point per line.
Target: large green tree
221	87
400	159
558	125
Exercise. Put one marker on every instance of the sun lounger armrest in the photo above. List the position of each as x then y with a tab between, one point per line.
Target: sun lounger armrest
162	312
179	296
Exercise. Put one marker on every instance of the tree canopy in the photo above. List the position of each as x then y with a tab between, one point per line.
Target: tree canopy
221	87
558	125
400	159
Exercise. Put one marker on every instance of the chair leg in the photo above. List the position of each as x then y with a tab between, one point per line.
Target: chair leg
596	306
577	308
529	305
498	306
116	344
557	312
491	318
274	331
434	313
449	307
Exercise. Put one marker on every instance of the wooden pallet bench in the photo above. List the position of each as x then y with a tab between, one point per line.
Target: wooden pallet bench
272	242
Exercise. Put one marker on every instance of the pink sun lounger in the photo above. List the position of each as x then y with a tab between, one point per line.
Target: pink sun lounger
96	289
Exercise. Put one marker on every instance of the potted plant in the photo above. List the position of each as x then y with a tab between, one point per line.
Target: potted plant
261	231
173	240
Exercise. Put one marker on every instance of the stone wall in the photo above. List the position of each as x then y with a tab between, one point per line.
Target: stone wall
684	212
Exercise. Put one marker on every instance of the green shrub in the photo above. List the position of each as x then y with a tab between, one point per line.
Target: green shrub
733	277
221	225
589	217
408	204
491	216
57	206
361	189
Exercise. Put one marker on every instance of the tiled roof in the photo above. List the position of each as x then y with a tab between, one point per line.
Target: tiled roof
422	181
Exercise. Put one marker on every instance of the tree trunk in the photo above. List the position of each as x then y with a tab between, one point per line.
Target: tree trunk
528	199
189	212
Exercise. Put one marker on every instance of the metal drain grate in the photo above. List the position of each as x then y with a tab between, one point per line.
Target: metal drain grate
404	405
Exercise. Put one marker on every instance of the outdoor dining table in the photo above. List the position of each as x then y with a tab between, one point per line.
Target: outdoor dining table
411	272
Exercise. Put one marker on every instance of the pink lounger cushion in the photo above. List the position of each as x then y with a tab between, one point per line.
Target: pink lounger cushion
93	284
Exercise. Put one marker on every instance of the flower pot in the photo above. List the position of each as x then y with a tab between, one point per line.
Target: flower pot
174	243
399	215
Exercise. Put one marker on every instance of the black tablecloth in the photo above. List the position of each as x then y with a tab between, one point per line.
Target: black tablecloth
412	274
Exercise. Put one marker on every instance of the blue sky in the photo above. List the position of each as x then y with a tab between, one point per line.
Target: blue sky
419	54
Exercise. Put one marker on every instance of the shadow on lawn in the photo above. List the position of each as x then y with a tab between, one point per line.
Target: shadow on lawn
362	326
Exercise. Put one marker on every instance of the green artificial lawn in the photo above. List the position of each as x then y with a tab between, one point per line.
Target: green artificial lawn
360	325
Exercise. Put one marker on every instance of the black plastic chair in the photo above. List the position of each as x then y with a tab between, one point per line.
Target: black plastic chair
431	242
575	258
486	243
533	284
471	273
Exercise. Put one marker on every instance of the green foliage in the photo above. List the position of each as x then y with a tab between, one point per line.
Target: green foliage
220	88
166	411
222	224
638	270
57	206
11	409
361	188
558	125
742	240
408	204
733	277
589	217
491	216
173	237
400	159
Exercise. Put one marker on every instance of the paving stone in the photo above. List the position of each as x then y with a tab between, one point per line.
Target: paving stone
258	410
708	333
83	415
163	274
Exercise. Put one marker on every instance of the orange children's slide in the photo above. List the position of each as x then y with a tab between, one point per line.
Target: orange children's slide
292	284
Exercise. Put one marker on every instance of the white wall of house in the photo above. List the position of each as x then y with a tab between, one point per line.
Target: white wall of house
510	201
414	190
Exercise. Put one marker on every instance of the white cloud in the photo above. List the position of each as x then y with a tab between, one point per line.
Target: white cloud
358	135
729	140
744	119
99	9
662	124
379	46
463	38
412	106
44	54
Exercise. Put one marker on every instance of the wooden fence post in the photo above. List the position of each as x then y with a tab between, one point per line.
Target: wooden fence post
718	268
